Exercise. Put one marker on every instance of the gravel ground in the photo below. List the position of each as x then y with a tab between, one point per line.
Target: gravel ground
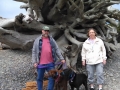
112	72
16	70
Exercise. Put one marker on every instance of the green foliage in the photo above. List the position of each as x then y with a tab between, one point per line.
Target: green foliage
118	28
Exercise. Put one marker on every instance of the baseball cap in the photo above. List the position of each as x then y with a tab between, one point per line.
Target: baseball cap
46	28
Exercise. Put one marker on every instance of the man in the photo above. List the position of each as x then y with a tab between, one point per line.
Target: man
44	54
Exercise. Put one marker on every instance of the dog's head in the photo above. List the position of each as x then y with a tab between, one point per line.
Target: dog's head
54	73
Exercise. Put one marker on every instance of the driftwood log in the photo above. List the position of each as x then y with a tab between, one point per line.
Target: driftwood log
68	21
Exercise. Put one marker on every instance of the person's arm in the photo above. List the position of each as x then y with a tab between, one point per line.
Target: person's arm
58	52
83	54
34	53
103	53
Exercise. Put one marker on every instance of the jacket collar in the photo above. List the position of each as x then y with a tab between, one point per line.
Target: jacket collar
96	40
40	37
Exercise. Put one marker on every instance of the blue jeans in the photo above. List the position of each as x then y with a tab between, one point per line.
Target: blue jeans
99	73
40	77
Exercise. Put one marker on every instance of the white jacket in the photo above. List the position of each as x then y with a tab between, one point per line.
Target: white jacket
93	53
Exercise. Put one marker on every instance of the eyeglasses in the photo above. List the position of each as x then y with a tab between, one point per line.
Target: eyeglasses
46	30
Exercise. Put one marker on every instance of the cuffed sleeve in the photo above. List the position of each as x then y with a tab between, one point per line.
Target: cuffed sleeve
83	53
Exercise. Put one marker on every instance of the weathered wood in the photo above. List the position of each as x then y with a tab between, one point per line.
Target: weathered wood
68	21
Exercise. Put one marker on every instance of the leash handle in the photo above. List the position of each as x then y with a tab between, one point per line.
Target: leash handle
61	65
58	63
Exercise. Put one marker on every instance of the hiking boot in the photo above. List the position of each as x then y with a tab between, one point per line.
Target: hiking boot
92	89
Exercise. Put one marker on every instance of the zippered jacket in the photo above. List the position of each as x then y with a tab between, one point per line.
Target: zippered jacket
93	53
37	46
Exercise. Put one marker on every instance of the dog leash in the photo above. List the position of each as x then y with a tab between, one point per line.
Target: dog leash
45	65
72	77
48	65
57	79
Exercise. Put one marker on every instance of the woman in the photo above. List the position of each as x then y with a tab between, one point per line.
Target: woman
94	57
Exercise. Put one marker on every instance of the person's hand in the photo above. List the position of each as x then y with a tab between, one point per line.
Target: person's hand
35	65
83	63
63	61
104	62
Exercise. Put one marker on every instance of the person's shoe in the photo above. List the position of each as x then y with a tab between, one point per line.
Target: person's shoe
100	89
92	89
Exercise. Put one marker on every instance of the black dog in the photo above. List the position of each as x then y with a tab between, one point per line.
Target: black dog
75	80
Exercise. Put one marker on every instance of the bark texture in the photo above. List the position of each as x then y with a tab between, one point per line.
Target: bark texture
68	21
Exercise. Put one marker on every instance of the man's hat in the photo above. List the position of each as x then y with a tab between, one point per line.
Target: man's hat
46	28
